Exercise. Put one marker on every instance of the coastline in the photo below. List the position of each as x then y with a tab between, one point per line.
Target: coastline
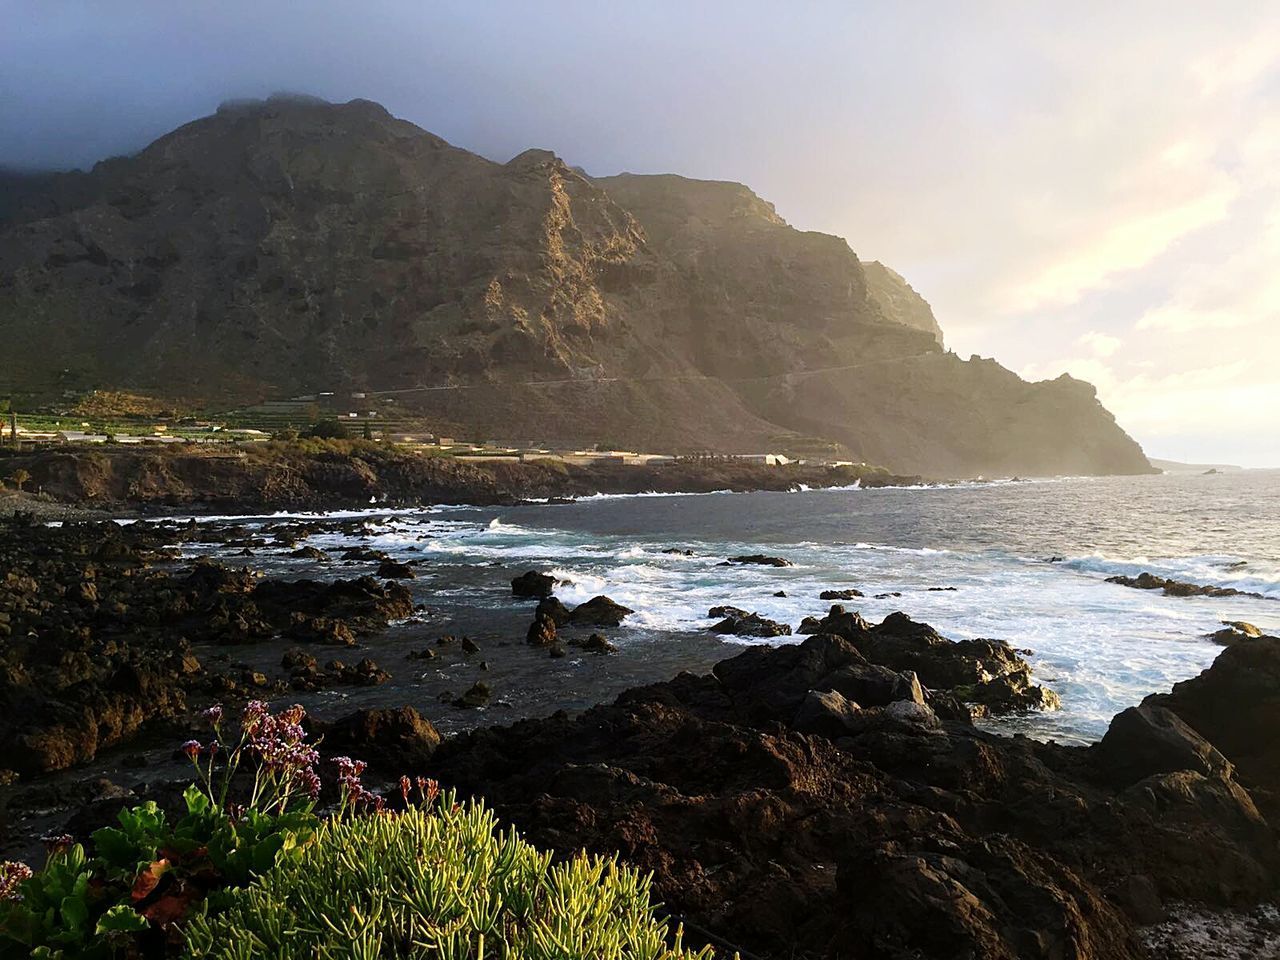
664	746
337	475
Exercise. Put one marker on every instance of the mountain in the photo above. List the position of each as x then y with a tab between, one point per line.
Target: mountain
292	245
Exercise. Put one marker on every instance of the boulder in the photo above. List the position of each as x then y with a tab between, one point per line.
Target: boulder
533	584
599	612
847	594
597	644
827	713
760	559
1148	739
1235	705
396	740
751	625
1179	588
542	632
554	610
478	695
395	570
1233	631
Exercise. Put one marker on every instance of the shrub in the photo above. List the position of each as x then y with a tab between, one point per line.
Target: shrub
443	883
327	430
146	873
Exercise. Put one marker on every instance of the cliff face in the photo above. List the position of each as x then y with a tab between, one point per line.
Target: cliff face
898	300
294	246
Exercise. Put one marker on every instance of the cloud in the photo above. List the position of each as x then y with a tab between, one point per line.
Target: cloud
1100	344
1120	247
1095	182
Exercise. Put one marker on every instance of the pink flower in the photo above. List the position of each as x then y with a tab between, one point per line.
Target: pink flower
192	749
12	876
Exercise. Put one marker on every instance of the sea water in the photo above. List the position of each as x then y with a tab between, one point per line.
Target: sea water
1028	561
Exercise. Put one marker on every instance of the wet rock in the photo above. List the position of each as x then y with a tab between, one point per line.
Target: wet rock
556	651
598	644
751	625
1178	588
1233	631
986	673
310	553
297	659
533	584
553	609
470	646
599	612
478	695
542	632
320	630
394	570
727	611
848	594
760	559
355	554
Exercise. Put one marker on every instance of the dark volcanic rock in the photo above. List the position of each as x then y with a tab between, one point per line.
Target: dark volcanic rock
989	674
478	695
828	713
742	624
599	612
1148	739
849	594
597	644
554	610
1235	705
533	584
394	570
879	832
1178	588
542	632
393	740
1234	631
95	642
760	559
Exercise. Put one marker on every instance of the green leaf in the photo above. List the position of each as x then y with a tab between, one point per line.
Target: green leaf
197	802
121	919
117	848
75	913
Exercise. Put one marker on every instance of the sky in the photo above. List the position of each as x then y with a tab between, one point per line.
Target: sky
1090	187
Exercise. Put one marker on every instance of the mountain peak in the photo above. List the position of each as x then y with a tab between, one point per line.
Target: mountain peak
292	246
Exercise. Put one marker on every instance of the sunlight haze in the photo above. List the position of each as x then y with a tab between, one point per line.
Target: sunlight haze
1084	189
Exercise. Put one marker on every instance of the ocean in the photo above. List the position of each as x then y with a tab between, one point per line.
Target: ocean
1100	646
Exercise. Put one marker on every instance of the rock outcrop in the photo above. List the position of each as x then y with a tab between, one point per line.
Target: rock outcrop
292	246
1235	705
802	801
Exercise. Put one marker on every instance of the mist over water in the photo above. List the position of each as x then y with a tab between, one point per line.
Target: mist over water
1101	646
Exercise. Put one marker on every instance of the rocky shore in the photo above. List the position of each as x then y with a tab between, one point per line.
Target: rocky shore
331	475
824	798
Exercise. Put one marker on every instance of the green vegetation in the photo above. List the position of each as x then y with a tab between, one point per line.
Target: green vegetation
327	430
435	883
268	877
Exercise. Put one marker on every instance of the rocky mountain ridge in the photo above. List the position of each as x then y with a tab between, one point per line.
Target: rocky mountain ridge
291	245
